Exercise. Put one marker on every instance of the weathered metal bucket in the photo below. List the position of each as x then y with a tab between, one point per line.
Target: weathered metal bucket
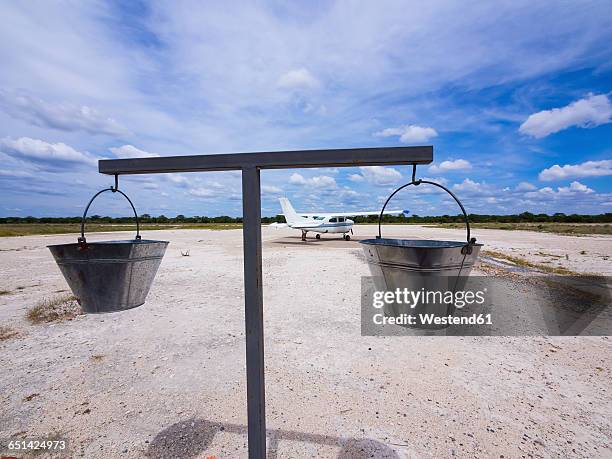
426	266
109	276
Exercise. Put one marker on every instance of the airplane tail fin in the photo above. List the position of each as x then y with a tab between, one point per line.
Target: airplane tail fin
289	212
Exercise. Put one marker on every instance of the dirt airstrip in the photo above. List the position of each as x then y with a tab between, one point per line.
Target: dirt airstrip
167	379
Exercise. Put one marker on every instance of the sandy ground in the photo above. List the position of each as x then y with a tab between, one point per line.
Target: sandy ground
167	379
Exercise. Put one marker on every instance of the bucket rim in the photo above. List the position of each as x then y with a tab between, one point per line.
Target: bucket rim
113	242
417	243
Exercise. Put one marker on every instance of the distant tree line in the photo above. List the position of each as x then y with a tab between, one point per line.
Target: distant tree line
525	217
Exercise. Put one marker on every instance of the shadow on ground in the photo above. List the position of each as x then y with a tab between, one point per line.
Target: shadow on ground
192	437
325	241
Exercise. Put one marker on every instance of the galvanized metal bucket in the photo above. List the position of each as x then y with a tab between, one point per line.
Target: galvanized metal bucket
109	276
420	265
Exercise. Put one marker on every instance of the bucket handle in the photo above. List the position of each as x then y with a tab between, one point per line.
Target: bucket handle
82	241
417	182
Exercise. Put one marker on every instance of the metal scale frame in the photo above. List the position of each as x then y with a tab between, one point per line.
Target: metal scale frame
250	164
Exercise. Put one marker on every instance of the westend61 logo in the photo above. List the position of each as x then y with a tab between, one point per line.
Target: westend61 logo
425	307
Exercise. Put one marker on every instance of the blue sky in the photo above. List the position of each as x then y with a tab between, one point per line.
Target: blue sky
515	97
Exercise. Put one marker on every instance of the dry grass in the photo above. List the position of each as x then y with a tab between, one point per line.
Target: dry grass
528	264
7	332
55	309
27	229
574	229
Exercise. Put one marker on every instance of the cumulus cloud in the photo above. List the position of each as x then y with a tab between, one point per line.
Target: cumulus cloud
409	133
440	180
130	151
586	169
202	192
347	192
470	186
39	151
573	189
577	186
210	189
379	175
201	100
356	178
525	186
445	166
589	112
270	189
298	79
65	117
318	181
177	179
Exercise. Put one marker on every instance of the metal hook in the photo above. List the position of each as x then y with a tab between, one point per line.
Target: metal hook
414	179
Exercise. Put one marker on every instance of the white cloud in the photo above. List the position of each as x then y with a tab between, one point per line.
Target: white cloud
177	179
356	178
409	133
318	181
470	186
270	189
525	186
170	84
445	166
577	186
202	192
589	112
327	170
65	117
380	175
15	173
44	152
347	192
130	151
574	189
150	186
440	180
586	169
298	79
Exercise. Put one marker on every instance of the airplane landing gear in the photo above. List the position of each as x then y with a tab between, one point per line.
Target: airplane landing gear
304	235
346	237
318	236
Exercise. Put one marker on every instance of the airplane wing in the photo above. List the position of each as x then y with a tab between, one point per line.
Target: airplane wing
355	214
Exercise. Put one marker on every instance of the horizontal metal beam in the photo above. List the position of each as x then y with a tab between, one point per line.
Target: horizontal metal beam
271	160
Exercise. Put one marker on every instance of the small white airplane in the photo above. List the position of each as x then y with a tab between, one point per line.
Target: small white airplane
323	222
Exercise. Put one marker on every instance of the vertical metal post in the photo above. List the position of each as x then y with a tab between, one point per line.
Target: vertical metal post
253	302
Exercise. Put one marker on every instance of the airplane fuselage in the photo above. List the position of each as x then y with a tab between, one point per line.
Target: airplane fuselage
326	225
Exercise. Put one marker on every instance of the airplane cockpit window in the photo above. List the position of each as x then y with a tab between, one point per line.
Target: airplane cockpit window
341	219
333	220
